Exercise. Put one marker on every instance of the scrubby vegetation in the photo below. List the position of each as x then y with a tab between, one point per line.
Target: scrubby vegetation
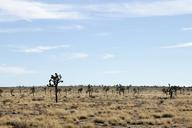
99	107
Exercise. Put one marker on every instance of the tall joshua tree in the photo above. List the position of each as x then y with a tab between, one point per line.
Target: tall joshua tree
53	82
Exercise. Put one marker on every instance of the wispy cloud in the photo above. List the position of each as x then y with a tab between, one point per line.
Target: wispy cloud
183	45
41	29
40	49
107	56
16	30
34	10
143	9
70	27
14	70
187	29
70	56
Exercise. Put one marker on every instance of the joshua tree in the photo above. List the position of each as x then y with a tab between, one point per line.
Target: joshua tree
80	90
20	89
136	90
165	90
1	91
128	88
53	82
120	89
181	89
96	90
106	89
32	90
171	90
11	91
89	90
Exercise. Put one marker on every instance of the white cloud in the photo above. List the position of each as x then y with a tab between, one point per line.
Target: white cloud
71	27
183	45
13	70
33	10
40	29
16	30
144	9
41	49
187	29
107	56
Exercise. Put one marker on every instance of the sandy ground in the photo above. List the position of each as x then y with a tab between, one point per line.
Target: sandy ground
149	109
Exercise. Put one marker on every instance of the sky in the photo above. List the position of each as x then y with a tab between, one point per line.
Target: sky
138	42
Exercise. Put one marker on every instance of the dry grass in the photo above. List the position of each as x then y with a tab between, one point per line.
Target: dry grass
149	109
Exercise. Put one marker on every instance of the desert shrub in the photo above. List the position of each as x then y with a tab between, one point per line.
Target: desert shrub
99	120
74	106
7	101
143	122
138	122
167	115
18	124
115	121
38	99
82	117
164	115
156	116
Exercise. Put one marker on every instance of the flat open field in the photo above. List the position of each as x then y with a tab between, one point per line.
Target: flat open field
149	109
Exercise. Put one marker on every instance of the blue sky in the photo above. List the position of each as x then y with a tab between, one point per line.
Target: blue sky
139	42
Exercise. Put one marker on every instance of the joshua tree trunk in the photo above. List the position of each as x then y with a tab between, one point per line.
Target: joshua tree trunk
171	94
56	98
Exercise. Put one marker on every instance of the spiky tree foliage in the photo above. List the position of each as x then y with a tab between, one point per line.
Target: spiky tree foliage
53	82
